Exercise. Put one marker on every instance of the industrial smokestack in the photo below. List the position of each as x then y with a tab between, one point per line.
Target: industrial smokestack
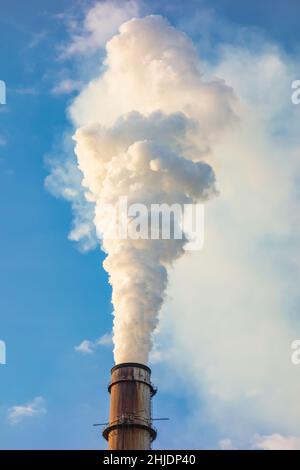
144	130
130	421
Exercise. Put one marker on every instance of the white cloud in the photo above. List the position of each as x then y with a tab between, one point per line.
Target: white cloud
159	354
105	340
101	22
225	444
89	347
231	307
66	86
276	442
64	181
2	141
85	347
34	408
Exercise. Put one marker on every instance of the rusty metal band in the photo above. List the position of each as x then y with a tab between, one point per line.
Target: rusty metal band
153	390
113	427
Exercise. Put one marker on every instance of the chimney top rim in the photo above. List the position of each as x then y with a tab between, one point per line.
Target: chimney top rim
131	364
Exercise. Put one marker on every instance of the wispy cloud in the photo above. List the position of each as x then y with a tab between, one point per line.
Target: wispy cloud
100	23
67	86
26	91
37	39
64	181
34	408
89	347
85	347
159	355
276	442
225	444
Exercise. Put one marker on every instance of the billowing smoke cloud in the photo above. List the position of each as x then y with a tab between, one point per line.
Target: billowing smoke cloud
144	130
137	157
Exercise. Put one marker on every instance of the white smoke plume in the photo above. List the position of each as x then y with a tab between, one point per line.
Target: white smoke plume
144	130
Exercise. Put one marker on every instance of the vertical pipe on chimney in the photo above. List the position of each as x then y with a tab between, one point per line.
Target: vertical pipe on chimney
130	421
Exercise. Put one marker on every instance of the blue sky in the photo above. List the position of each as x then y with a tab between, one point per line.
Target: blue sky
52	295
